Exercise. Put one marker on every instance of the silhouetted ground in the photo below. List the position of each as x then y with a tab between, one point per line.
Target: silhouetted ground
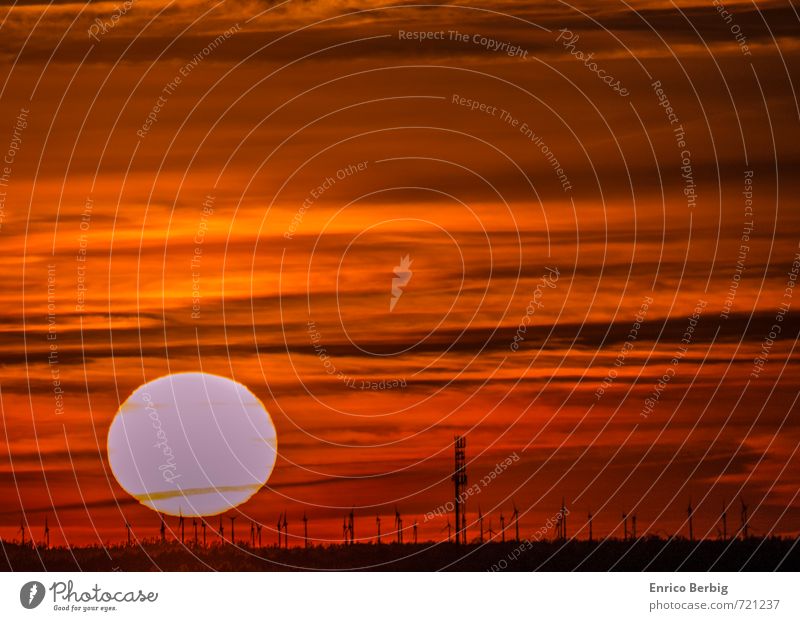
610	555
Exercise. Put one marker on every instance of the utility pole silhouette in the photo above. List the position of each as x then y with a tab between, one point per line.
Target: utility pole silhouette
633	524
163	530
22	530
561	522
743	518
258	533
398	524
351	523
625	529
490	531
480	522
285	532
689	512
347	529
194	523
378	522
203	522
252	534
233	535
590	527
502	528
221	531
447	528
724	521
280	529
415	532
128	531
516	523
46	533
459	483
180	523
305	530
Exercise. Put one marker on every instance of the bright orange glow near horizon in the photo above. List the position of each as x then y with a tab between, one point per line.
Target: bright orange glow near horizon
600	289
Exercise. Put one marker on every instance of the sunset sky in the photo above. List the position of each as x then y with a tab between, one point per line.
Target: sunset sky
297	151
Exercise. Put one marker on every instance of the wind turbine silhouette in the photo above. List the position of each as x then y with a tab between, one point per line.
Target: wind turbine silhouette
398	524
516	522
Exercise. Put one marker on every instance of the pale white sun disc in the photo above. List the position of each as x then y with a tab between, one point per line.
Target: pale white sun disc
192	444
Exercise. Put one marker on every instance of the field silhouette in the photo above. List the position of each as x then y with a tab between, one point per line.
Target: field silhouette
643	554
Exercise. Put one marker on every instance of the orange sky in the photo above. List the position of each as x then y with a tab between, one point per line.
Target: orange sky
295	92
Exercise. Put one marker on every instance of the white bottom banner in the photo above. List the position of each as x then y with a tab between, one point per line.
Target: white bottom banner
389	596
